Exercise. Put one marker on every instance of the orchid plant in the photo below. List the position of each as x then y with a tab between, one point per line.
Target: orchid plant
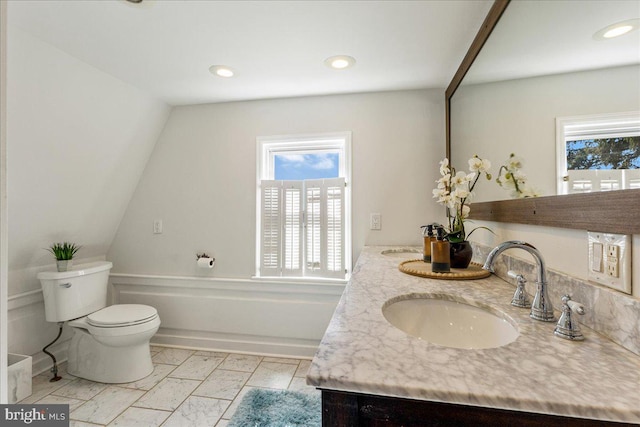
455	190
511	178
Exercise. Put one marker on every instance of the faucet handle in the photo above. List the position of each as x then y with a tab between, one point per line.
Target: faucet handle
520	298
567	328
574	306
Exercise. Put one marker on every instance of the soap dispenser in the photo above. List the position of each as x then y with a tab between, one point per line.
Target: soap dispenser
440	261
428	236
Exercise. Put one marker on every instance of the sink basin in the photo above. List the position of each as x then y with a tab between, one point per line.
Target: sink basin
403	253
450	323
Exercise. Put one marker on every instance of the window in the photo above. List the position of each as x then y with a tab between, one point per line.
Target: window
303	206
598	153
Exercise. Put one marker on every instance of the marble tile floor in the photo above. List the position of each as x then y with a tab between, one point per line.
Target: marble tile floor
187	388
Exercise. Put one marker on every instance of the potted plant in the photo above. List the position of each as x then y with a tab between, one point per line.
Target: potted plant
454	191
64	253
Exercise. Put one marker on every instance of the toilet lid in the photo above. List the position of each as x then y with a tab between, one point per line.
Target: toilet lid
122	315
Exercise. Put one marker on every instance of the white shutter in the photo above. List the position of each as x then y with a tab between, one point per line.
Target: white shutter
270	234
324	250
313	227
335	227
292	228
281	228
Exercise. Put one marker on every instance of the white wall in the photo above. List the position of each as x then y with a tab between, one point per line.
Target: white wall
201	179
77	140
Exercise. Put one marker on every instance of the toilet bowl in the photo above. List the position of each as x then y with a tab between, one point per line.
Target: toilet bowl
113	350
109	344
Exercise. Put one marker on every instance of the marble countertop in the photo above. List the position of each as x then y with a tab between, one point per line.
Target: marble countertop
539	372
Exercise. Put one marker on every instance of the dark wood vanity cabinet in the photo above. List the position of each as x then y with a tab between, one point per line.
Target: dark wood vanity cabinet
340	409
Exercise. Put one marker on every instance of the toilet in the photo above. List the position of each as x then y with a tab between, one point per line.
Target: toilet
110	344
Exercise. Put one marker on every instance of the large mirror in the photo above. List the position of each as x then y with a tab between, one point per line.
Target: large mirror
544	65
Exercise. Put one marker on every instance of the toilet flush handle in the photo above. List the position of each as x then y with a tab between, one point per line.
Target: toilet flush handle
65	285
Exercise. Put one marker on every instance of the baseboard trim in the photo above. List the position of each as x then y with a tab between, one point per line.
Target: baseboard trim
236	344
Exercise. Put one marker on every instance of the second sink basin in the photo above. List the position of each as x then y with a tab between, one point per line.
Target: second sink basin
450	323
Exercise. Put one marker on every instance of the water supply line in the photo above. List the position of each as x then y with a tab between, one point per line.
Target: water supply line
54	369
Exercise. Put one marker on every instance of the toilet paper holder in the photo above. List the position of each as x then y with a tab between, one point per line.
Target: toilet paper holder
204	260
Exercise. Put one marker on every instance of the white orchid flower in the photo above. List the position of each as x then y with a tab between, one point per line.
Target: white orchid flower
444	180
459	179
475	163
438	192
444	166
513	162
461	193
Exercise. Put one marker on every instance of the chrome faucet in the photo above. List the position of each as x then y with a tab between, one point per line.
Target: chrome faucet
541	309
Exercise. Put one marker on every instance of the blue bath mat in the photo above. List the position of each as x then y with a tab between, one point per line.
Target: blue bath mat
276	408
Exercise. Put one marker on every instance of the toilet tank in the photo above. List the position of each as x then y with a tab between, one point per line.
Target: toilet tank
75	293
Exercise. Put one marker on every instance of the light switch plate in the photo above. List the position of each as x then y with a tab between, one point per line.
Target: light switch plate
375	221
610	260
157	226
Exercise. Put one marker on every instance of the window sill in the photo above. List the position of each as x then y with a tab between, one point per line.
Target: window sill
305	280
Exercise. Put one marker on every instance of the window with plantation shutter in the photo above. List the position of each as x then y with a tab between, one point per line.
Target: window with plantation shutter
303	219
303	228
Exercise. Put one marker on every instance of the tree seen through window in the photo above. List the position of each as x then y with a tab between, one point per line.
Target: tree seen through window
604	153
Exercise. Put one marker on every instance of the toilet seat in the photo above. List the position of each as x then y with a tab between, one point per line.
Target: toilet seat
122	315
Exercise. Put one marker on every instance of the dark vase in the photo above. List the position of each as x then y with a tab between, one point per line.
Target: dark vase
460	254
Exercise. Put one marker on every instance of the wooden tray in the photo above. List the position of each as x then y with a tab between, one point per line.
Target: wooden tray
417	267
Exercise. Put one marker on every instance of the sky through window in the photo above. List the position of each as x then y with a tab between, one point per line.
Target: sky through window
306	166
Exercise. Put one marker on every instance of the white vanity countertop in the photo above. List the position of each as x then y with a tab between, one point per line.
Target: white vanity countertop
539	372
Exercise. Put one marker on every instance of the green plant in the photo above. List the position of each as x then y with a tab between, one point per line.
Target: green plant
64	251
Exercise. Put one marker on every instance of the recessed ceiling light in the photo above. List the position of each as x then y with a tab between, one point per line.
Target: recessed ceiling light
340	62
221	71
617	29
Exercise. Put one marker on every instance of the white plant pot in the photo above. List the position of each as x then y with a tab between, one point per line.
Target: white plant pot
64	265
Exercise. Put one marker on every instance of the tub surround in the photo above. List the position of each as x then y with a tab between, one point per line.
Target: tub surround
235	315
538	373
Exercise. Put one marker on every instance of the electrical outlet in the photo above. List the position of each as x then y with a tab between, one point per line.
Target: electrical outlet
612	268
610	260
375	222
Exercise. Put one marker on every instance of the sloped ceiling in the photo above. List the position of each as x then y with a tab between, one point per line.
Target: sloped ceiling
77	142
